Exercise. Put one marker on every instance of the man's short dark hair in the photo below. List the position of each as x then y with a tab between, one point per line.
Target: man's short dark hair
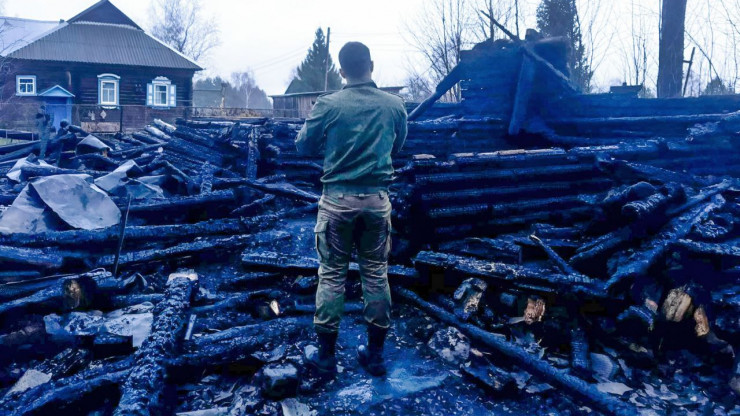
354	57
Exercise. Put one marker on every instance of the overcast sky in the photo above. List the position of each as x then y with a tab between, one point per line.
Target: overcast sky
271	37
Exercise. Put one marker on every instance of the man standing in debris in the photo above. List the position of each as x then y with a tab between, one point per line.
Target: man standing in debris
356	130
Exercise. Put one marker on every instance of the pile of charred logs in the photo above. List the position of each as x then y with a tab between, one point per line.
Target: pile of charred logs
616	259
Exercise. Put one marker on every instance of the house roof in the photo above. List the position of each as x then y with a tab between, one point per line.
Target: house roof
102	34
16	33
104	12
296	87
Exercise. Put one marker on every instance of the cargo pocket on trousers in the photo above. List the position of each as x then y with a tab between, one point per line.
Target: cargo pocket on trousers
320	232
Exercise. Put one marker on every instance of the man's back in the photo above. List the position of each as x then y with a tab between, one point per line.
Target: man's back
356	130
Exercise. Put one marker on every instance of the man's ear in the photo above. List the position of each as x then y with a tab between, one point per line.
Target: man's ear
372	66
341	72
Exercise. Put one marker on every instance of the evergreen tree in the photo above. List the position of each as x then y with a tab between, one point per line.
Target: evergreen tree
560	18
310	74
717	87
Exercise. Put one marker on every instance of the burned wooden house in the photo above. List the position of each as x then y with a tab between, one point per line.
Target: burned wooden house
98	69
553	252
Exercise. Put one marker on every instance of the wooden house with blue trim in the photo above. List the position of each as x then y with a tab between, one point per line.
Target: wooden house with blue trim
98	69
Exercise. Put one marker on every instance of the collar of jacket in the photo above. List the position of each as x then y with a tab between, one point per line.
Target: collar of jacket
361	84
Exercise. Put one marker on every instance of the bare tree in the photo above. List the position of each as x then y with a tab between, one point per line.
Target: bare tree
418	87
593	15
639	57
440	33
503	11
183	25
245	83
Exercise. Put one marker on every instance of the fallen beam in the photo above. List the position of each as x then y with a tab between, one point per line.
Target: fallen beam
285	189
184	203
47	300
571	385
652	249
223	245
147	233
56	400
236	344
141	394
526	277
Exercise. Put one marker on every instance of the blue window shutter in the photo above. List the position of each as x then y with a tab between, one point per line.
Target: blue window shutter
173	96
149	94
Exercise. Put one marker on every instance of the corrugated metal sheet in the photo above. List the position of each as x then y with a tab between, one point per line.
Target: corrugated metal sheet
16	33
99	43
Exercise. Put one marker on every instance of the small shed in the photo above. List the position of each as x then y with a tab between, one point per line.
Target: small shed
299	104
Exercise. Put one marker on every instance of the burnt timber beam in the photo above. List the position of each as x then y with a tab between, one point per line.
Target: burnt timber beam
447	82
223	245
524	86
534	55
526	277
554	257
141	393
59	400
236	344
33	256
574	386
284	189
57	297
184	203
146	233
610	242
652	249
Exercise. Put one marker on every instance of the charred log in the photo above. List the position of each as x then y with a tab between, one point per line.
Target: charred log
141	393
569	384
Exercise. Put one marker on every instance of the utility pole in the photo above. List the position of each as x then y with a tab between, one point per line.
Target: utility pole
326	60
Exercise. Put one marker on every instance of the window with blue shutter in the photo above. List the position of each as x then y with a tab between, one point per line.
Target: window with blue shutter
163	93
149	94
173	96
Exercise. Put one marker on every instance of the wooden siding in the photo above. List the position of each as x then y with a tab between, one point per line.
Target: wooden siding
82	81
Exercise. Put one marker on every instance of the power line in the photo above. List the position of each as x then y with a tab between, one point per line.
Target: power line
277	62
287	55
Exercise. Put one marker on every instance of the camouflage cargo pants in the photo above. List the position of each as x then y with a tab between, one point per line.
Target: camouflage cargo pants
346	221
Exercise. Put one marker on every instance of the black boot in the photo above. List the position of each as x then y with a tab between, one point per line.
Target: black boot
324	359
371	356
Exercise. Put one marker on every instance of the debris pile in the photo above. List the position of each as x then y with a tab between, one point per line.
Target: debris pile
172	270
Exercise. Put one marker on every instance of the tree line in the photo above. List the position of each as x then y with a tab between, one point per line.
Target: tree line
597	31
646	41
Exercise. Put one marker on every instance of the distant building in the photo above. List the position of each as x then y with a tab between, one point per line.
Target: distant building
208	94
299	104
98	69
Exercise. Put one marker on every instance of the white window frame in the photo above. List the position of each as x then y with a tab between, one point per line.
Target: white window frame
161	82
158	102
18	79
111	79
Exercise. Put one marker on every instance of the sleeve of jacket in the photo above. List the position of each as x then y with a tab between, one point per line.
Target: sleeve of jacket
401	130
311	139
